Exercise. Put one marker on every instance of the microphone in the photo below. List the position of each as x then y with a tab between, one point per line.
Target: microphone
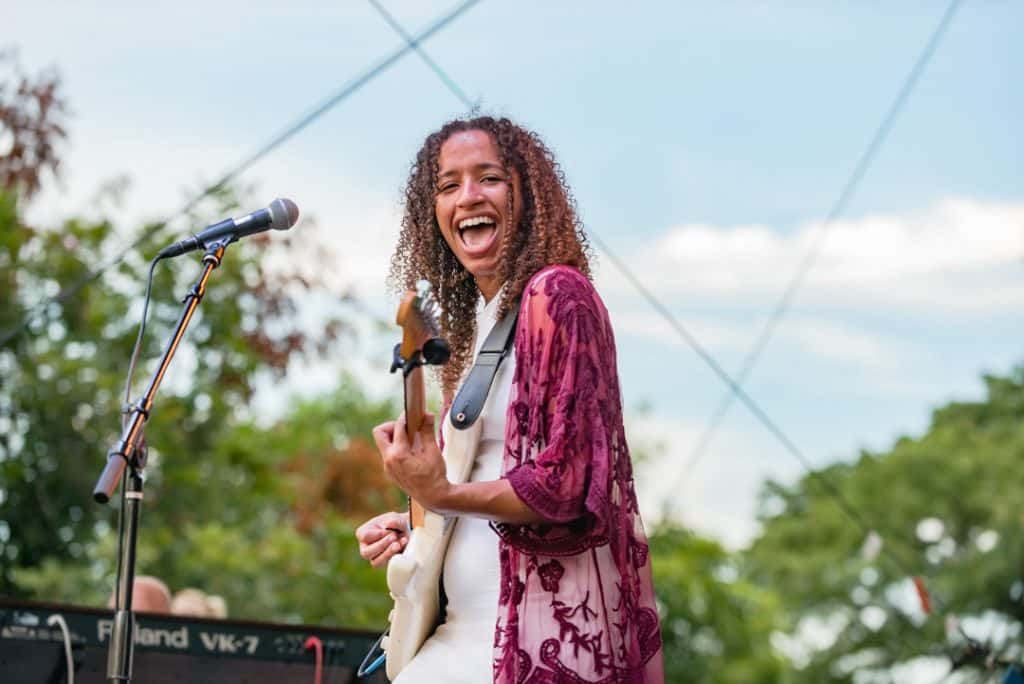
280	215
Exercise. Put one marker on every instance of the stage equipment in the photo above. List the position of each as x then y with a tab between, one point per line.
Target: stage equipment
126	459
171	648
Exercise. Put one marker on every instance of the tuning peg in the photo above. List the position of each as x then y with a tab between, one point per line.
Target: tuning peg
397	362
436	351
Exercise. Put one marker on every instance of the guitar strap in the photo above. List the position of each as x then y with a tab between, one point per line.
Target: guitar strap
469	402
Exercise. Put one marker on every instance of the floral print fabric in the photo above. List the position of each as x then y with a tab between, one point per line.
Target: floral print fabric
576	600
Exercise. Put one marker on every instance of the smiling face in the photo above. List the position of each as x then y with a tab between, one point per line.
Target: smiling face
472	204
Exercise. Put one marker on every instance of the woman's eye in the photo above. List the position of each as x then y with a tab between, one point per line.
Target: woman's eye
447	187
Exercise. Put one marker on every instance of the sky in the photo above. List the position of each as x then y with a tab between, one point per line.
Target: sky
705	144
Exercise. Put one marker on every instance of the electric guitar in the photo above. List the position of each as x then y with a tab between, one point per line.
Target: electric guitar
414	576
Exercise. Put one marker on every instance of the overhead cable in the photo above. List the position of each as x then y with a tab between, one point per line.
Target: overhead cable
814	250
688	337
44	308
415	45
735	389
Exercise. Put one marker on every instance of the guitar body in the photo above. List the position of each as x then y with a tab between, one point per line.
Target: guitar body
414	576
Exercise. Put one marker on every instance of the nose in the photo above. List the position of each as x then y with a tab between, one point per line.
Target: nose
469	194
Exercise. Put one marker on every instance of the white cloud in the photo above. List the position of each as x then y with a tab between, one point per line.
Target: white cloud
839	342
881	290
844	343
960	256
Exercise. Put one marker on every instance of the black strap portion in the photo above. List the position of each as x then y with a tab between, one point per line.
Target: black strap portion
469	402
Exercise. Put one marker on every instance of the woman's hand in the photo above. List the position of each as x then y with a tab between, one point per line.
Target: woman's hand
382	537
416	467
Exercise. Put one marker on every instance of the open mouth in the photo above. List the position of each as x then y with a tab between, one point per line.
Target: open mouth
477	234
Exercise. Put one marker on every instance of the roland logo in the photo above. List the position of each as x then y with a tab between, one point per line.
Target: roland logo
148	636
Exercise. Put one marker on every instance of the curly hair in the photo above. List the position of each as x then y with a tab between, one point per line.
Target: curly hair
548	232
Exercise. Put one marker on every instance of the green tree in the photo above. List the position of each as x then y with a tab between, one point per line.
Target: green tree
716	625
946	507
61	396
277	541
262	516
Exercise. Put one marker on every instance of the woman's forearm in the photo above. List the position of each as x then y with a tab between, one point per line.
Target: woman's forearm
494	500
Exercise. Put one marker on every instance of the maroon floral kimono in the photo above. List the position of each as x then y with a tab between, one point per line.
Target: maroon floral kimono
576	601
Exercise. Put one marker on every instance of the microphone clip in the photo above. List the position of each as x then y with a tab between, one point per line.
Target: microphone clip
215	250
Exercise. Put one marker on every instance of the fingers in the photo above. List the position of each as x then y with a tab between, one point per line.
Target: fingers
391	435
395	521
399	436
378	539
378	526
426	430
392	549
382	549
383	435
370	531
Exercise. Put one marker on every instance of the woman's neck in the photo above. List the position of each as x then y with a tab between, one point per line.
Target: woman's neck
489	287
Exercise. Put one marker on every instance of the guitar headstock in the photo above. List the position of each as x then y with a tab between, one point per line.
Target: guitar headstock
419	317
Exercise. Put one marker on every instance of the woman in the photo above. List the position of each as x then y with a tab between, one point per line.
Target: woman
547	575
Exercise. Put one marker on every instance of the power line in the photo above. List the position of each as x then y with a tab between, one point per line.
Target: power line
289	132
415	45
830	489
734	387
814	250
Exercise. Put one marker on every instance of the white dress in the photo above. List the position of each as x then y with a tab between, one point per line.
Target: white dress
461	650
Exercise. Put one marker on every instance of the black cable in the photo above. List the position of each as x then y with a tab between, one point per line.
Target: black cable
734	386
735	389
740	393
828	488
754	354
347	90
138	340
415	44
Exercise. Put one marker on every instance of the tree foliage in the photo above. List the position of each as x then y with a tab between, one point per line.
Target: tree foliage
946	507
716	625
263	516
31	126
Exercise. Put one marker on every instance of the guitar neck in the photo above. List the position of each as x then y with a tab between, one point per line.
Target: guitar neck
415	407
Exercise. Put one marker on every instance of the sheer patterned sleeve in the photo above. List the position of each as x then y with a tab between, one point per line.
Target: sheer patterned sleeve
563	434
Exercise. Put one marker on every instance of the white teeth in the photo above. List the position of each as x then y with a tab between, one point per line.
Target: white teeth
475	221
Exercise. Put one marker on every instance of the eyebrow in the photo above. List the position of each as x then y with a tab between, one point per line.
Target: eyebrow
479	167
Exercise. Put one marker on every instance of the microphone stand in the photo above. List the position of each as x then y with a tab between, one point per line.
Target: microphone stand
129	453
